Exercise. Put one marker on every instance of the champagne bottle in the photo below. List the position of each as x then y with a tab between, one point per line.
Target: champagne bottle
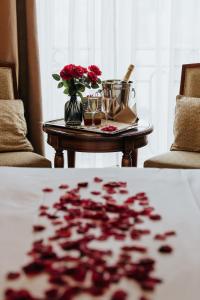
128	73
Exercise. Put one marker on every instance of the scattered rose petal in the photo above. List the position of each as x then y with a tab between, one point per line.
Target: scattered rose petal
56	222
38	228
165	249
140	195
13	275
98	179
51	294
34	268
135	248
47	190
68	256
95	291
123	191
130	200
155	217
95	192
22	294
63	186
109	128
170	233
119	295
43	207
160	237
144	298
57	280
82	184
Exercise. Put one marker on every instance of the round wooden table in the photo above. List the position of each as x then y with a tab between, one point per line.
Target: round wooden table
72	140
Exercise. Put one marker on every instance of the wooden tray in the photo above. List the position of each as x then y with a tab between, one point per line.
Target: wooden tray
121	127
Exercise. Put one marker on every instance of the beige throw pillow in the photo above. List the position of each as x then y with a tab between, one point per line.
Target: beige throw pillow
187	124
13	127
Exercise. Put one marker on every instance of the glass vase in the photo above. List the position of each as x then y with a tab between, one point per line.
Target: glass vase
73	112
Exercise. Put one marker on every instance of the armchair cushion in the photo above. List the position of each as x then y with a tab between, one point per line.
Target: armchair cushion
24	159
13	127
187	124
175	160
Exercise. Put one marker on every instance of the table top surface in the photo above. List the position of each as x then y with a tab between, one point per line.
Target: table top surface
176	198
53	127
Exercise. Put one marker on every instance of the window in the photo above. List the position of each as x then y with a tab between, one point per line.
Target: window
158	36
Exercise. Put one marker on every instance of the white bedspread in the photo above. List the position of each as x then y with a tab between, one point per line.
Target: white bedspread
174	193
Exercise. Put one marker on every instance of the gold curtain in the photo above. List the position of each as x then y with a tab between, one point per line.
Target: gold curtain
18	44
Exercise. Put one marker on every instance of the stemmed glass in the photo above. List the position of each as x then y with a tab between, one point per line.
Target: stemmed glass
106	106
93	103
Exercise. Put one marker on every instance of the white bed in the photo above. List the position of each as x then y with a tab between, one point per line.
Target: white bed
174	193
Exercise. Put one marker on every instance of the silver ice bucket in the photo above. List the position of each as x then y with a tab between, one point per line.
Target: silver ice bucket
121	92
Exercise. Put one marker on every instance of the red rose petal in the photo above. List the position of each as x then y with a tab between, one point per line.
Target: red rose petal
47	190
160	237
135	248
22	294
51	294
63	186
119	295
144	203
95	193
57	280
109	128
98	179
148	286
144	298
140	195
34	268
95	291
170	233
82	184
123	191
130	200
70	293
13	275
38	228
43	207
57	222
165	249
155	217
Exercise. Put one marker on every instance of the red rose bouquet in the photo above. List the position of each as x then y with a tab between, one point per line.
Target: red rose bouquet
75	79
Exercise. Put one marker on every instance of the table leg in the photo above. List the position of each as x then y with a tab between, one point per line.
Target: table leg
71	157
59	159
134	156
126	159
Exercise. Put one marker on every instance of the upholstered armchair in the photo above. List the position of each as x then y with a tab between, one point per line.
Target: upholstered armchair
11	157
189	87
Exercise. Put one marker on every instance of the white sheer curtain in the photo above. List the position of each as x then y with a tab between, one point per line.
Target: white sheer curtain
158	36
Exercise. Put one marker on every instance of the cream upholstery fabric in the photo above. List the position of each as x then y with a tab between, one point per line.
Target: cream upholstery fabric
187	124
192	82
24	159
13	128
175	160
6	83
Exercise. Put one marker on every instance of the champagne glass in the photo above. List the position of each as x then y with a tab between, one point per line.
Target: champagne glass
93	105
106	105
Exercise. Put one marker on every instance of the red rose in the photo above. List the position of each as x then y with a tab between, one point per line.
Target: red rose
78	71
92	77
72	71
67	72
95	70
